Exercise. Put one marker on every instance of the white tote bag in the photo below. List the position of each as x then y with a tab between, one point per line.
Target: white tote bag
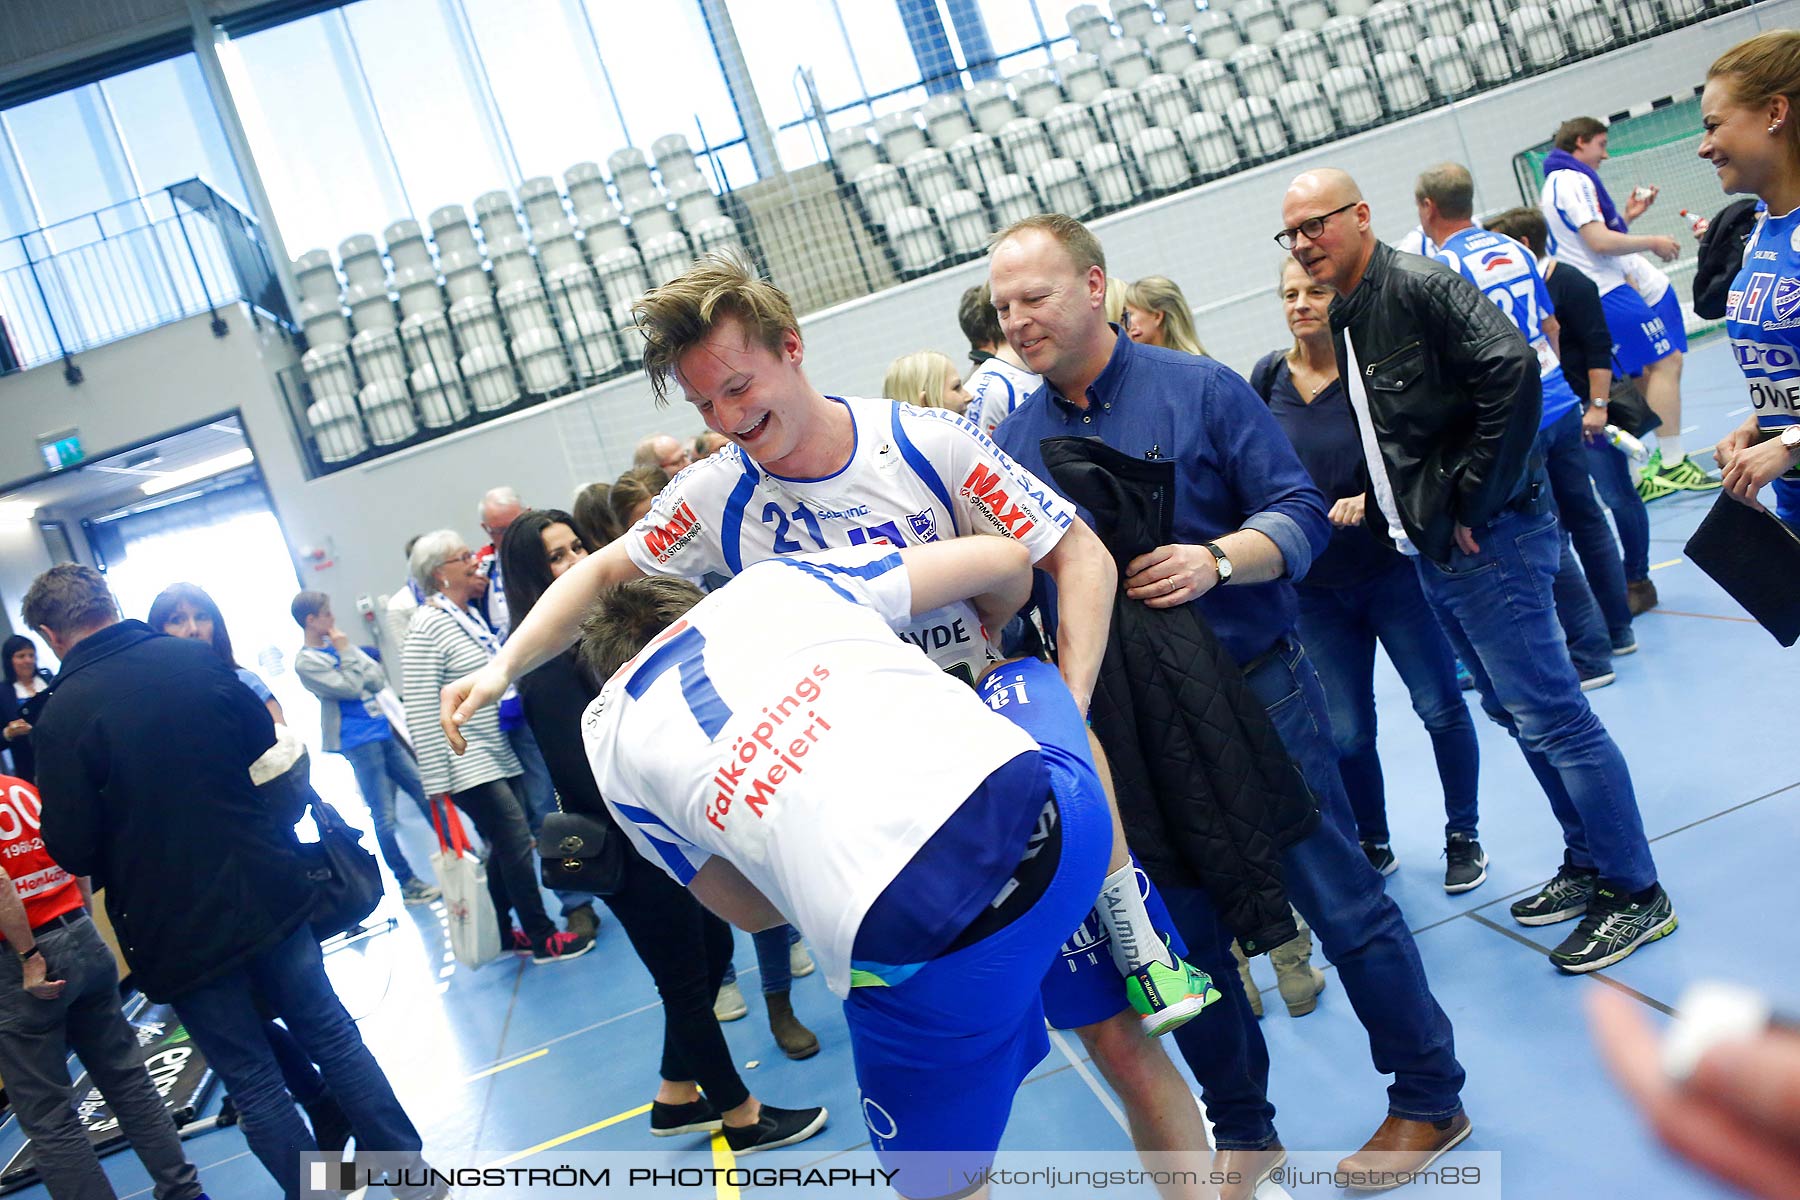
474	929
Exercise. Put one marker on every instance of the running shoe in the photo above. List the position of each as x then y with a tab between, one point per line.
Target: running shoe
1651	484
775	1127
1166	998
416	891
1565	897
1615	926
1689	477
1465	863
561	947
673	1120
1381	857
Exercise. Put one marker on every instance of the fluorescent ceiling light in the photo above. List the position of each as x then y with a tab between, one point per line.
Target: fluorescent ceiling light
202	470
12	511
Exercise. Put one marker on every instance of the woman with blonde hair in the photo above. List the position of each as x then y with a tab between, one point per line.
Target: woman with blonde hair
927	379
631	496
1157	314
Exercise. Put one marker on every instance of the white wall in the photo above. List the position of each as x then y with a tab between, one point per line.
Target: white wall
1213	240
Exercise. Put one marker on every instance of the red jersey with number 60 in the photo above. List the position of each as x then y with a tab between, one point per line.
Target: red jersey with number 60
46	889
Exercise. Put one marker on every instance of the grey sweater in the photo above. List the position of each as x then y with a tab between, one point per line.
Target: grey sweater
355	676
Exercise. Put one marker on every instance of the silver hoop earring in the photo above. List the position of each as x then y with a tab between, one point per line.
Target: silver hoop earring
1774	126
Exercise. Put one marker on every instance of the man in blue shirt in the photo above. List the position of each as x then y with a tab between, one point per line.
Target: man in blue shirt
1247	521
351	722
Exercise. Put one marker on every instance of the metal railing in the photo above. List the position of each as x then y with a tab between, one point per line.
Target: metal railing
122	270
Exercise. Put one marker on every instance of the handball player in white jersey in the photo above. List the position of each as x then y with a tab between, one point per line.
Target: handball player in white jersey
733	743
806	472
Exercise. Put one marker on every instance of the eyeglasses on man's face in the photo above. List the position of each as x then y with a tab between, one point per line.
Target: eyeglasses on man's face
1312	227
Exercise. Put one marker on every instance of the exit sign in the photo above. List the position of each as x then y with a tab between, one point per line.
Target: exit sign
62	449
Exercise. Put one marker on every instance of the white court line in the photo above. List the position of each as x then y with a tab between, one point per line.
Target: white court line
1105	1097
1687	429
1734	412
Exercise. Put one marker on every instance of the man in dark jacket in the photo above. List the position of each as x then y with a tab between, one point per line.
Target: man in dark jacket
145	753
1445	391
1246	522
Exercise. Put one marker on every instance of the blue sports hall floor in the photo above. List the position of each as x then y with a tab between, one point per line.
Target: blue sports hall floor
522	1064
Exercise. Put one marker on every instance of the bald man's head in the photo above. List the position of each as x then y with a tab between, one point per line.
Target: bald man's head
1324	215
662	451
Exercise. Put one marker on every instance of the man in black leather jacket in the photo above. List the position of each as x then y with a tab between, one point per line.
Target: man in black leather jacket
1446	395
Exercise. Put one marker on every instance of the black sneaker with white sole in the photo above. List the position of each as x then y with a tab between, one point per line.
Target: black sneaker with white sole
672	1120
1615	926
1381	857
1465	863
1562	899
775	1127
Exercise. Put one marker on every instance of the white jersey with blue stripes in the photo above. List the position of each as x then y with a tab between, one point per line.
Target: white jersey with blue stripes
1569	201
915	475
995	389
1507	273
780	725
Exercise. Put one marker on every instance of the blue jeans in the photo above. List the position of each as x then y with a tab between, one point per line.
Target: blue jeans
1584	628
384	769
1496	607
1340	627
537	795
223	1019
1566	463
771	959
1331	883
1612	475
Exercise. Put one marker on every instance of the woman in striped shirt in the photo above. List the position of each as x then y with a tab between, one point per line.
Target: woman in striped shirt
447	639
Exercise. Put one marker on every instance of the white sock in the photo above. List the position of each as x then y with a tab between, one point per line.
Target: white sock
1670	444
1122	913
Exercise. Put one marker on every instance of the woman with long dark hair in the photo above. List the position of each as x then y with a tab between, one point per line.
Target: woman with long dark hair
184	610
685	948
26	687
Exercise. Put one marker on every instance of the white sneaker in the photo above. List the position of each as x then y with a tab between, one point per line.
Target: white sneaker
729	1004
800	963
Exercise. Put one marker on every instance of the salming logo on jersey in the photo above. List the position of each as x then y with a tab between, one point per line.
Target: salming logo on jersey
983	487
667	540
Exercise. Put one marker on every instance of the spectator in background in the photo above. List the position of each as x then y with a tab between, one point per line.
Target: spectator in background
185	611
1584	346
499	508
927	379
20	702
709	443
686	949
449	639
1361	591
661	450
1588	232
1000	381
594	514
59	993
144	765
632	494
347	683
1447	439
1115	300
1157	314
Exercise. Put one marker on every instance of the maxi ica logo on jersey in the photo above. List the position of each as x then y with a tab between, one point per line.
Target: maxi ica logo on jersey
666	541
983	487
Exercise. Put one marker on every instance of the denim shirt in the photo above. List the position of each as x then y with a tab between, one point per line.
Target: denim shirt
1237	470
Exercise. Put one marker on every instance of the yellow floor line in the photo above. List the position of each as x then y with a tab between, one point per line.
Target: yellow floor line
554	1142
724	1160
1673	562
507	1065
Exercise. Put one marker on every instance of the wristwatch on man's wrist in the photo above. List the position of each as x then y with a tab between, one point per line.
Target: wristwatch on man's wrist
26	956
1790	440
1224	564
1600	401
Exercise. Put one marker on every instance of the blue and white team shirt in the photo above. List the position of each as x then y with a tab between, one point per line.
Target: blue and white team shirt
782	726
915	475
1569	201
995	388
1645	277
1762	317
1507	273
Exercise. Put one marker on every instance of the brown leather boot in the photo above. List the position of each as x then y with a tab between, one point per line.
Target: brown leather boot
1640	596
1300	982
795	1039
1243	966
1399	1150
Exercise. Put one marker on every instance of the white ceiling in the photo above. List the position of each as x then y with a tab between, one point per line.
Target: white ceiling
116	480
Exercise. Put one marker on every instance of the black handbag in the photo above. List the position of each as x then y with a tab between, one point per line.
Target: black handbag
581	853
1627	408
346	878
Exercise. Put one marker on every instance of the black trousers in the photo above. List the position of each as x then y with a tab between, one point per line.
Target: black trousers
686	950
512	857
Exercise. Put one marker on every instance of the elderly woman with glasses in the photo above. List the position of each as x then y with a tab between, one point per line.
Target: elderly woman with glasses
447	639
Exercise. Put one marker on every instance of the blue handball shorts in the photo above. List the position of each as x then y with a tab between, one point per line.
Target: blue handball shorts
1669	310
940	1055
1639	334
